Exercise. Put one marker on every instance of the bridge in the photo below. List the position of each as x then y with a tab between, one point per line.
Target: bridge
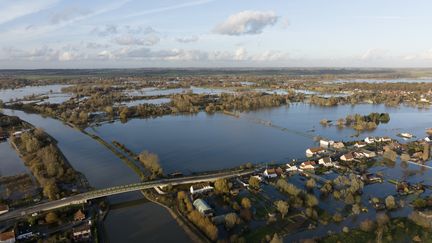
86	196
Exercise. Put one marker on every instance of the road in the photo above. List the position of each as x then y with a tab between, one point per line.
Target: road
84	197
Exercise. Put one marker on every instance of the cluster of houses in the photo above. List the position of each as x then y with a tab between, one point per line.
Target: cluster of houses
23	232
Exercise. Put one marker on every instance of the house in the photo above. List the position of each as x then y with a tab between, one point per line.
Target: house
200	188
203	207
347	157
406	135
370	140
314	151
428	139
360	144
4	208
79	216
243	183
308	165
17	134
326	161
7	237
386	139
369	154
270	173
371	178
338	145
279	171
326	143
82	232
291	168
358	155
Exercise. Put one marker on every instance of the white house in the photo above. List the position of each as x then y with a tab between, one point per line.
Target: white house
308	165
428	139
338	145
369	140
200	188
385	139
291	168
369	154
347	157
326	161
360	144
270	173
314	151
326	143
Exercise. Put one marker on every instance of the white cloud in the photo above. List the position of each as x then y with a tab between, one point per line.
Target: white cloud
374	54
94	45
240	54
129	40
247	22
187	39
106	30
105	55
66	56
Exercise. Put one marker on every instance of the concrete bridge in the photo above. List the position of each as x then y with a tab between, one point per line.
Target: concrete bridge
86	196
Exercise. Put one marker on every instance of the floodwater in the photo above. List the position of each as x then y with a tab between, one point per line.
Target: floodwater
104	169
196	90
204	142
11	94
420	80
10	162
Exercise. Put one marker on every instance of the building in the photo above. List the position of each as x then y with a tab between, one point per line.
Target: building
200	188
428	139
7	237
369	140
79	216
291	168
270	173
308	165
314	151
338	145
369	154
326	161
326	143
203	207
4	208
82	232
360	144
347	157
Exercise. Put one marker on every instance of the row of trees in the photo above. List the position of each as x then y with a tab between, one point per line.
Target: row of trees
202	222
46	162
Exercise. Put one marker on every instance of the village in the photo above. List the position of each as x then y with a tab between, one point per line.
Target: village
281	199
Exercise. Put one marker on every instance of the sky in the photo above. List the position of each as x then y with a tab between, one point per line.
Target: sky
214	33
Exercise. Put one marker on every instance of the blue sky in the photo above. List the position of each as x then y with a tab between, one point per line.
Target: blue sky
214	33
